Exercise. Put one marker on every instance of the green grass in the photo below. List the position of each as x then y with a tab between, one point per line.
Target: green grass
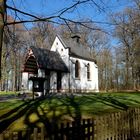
2	93
17	114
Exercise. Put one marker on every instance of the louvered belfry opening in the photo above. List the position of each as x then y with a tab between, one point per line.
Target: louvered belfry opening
31	65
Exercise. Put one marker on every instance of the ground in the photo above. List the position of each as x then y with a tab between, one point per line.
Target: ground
16	114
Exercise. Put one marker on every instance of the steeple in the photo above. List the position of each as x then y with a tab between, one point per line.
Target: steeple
75	34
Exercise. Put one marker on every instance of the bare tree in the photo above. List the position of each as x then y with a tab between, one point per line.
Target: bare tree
14	46
59	16
105	64
128	33
2	23
42	35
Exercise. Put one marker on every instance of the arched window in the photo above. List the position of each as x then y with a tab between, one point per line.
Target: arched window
77	69
88	71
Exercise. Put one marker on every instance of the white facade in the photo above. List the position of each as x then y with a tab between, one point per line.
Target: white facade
83	83
67	82
25	82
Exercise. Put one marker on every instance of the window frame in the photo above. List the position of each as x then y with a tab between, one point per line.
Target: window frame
88	72
77	69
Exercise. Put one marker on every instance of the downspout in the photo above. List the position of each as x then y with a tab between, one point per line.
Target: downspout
69	71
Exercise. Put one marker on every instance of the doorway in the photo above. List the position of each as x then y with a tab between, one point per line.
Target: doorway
59	82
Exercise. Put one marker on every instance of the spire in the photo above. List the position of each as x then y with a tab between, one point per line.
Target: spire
75	33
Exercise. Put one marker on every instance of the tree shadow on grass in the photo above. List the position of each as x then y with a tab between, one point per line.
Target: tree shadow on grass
50	118
73	107
109	101
42	118
48	115
32	107
128	100
14	110
8	118
118	102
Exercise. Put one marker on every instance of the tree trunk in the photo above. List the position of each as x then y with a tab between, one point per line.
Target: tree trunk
2	15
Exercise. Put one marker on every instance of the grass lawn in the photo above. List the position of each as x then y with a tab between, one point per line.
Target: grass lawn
18	114
10	93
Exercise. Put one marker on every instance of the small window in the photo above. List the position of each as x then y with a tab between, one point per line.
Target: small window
88	71
77	69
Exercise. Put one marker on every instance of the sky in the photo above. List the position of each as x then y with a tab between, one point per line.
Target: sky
86	10
46	8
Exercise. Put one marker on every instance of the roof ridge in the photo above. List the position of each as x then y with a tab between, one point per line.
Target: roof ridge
60	38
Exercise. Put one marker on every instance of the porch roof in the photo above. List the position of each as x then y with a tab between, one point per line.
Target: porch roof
46	59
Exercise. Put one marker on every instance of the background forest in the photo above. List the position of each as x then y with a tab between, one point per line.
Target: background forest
119	65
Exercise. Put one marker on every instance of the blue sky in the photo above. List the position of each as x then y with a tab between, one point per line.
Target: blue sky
48	8
51	7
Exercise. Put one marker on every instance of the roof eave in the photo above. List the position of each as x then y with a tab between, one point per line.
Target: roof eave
80	57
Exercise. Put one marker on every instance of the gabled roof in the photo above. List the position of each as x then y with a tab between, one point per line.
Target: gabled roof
76	49
48	59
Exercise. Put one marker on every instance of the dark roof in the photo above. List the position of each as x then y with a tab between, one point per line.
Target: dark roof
76	48
37	78
49	59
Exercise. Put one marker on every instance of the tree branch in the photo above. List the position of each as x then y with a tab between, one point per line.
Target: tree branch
36	20
73	6
82	24
22	12
57	16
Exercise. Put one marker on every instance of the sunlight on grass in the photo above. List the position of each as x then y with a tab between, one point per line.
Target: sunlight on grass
5	107
18	125
10	104
33	117
8	93
65	108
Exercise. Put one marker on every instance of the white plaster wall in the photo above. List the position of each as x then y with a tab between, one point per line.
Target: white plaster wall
96	82
25	80
65	81
53	81
69	79
41	73
30	85
58	46
83	83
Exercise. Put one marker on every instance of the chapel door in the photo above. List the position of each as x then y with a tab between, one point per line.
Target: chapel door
59	83
47	82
